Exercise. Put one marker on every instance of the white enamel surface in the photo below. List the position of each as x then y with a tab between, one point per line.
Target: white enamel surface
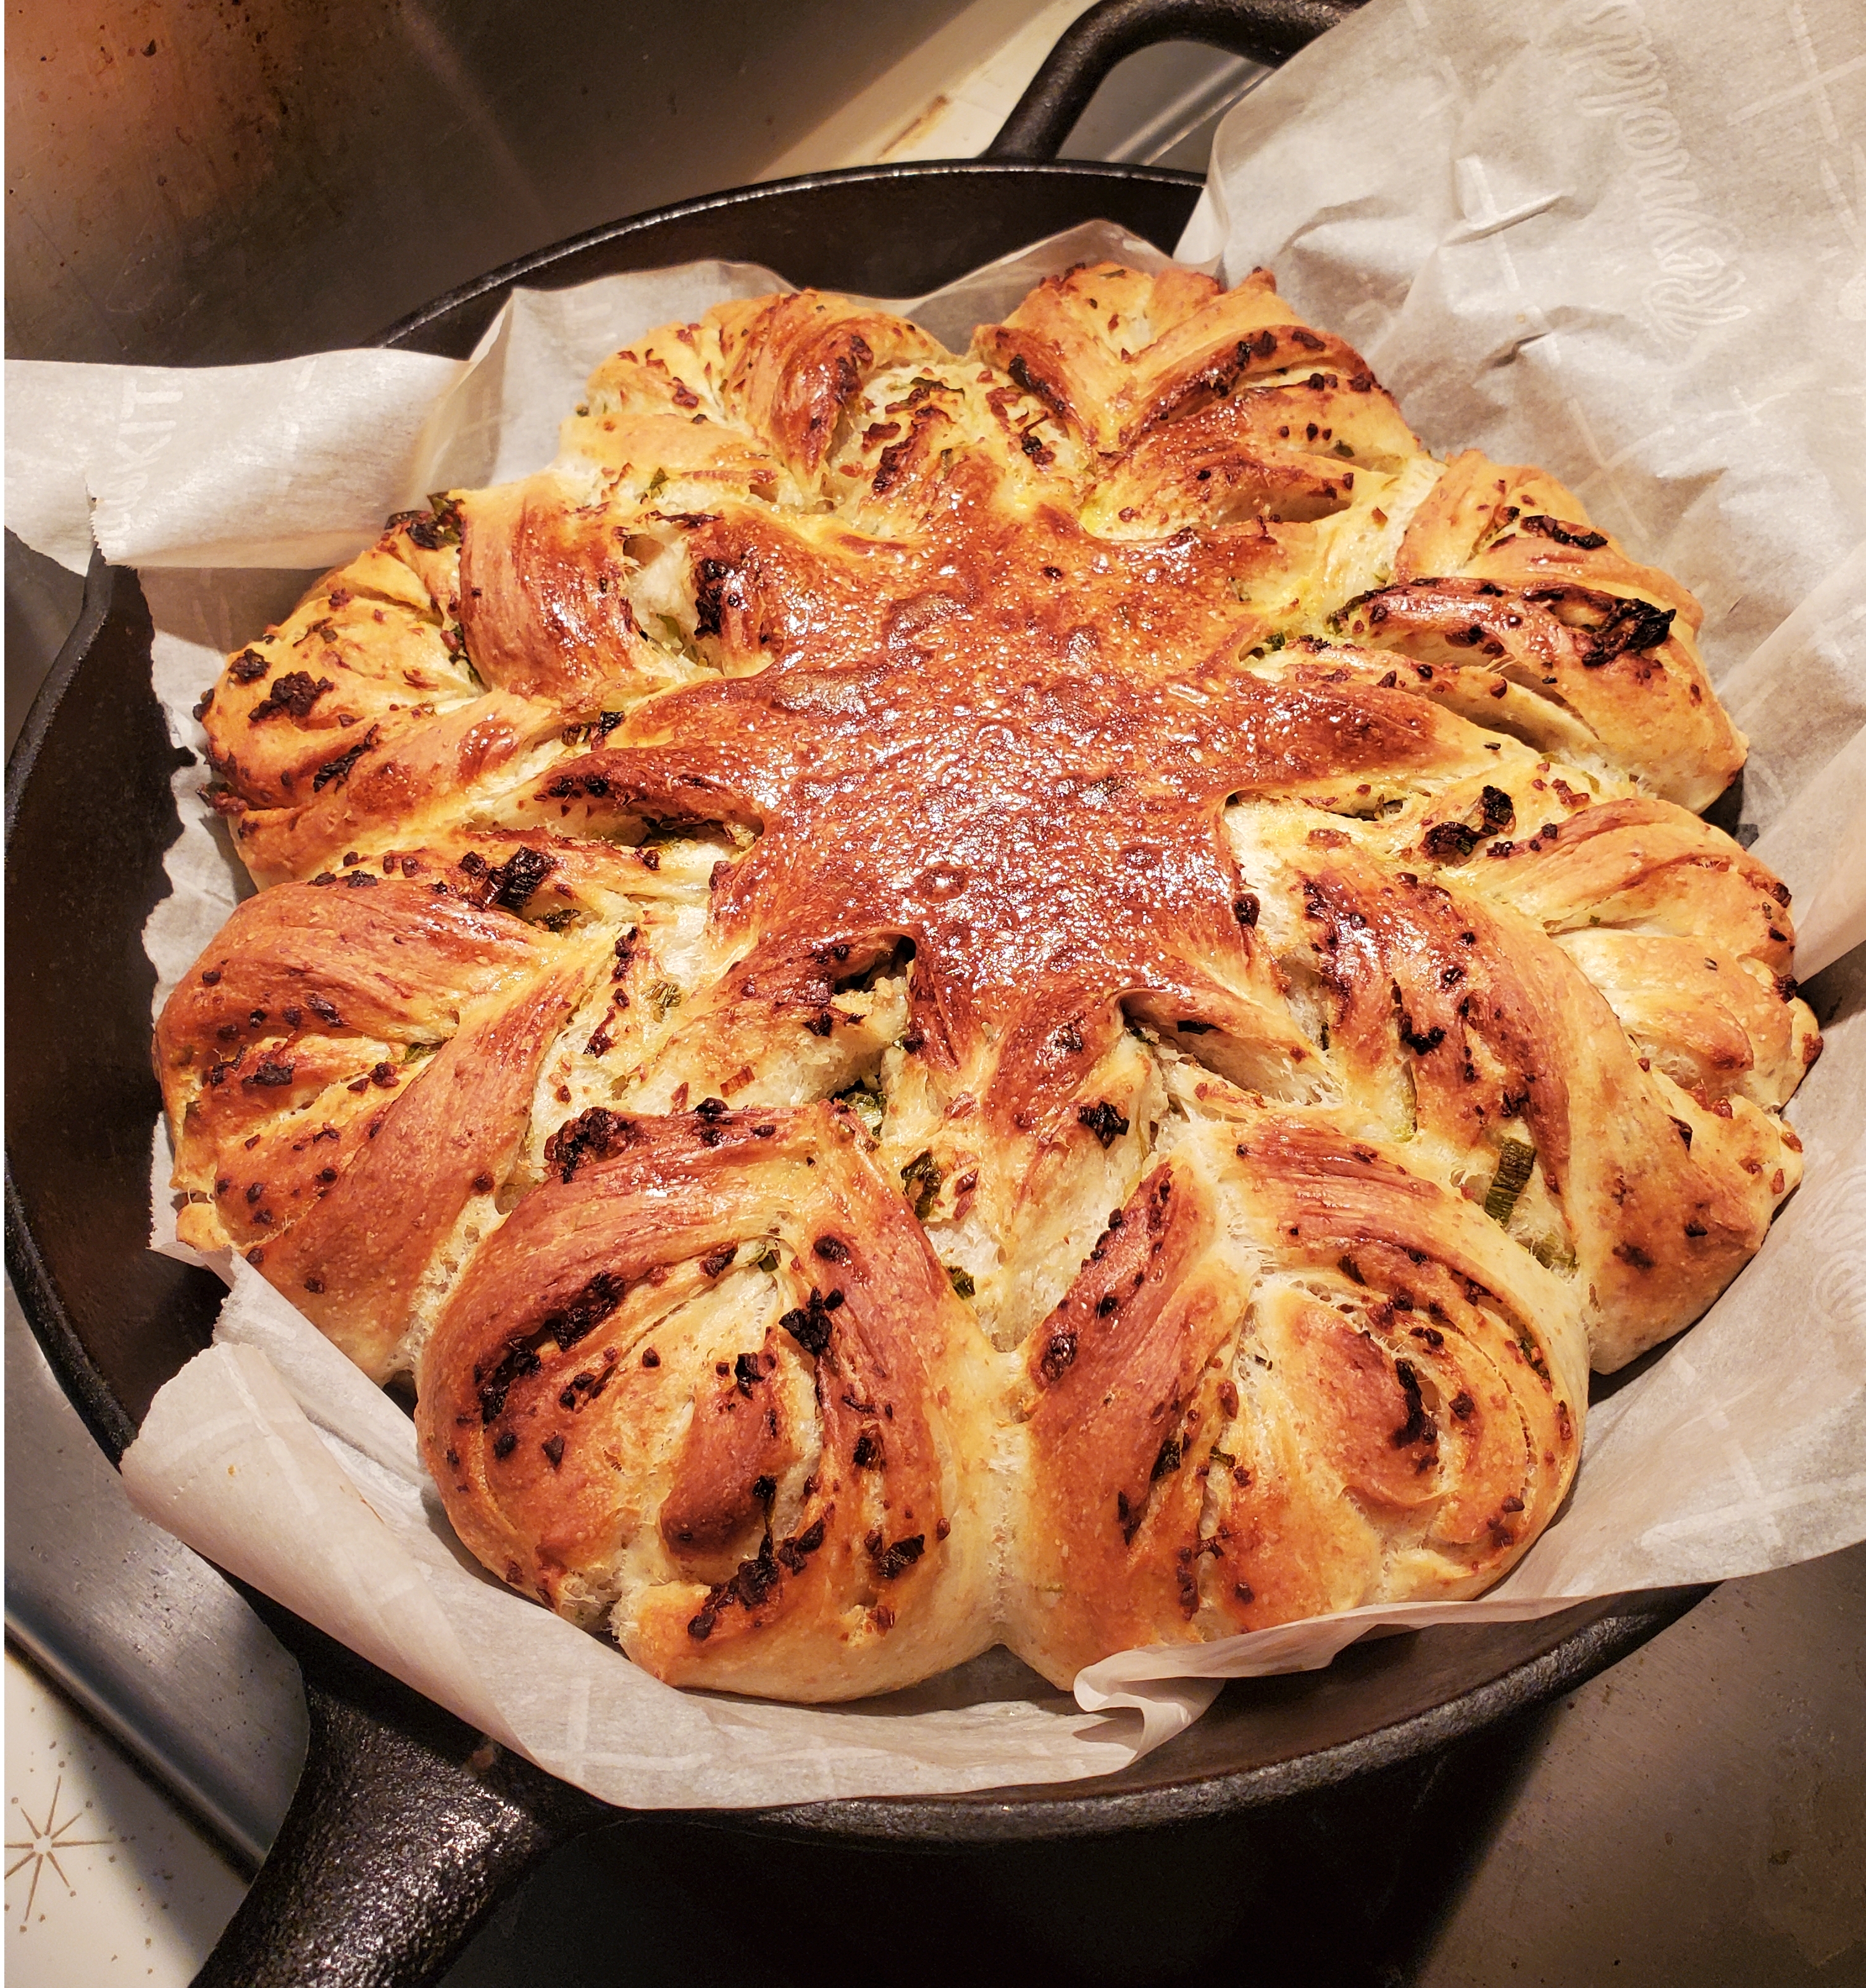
106	1880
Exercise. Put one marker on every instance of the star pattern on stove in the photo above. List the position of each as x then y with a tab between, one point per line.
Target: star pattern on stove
43	1844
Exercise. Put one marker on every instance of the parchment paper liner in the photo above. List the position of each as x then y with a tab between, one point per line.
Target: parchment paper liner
1527	269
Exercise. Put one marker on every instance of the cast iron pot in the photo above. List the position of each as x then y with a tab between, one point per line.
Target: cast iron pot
407	1828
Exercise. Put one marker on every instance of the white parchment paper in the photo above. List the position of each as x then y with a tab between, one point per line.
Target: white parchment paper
1628	242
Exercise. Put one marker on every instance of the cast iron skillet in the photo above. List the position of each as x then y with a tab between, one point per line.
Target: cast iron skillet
406	1828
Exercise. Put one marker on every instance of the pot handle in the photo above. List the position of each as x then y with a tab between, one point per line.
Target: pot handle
1267	30
407	1829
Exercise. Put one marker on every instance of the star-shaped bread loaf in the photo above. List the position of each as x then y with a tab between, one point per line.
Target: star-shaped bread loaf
1052	997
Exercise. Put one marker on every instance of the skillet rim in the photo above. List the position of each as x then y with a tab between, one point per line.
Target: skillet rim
404	333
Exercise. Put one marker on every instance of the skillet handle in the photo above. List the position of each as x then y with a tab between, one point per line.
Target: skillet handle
1267	30
407	1828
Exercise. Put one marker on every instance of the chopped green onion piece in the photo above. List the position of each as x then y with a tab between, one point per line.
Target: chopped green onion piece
920	1179
866	1104
1514	1164
1409	1104
446	509
961	1281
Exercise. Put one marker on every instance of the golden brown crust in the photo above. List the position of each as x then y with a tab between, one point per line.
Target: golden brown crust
1500	577
1398	1405
543	609
816	1519
1656	1198
1128	773
345	1071
793	366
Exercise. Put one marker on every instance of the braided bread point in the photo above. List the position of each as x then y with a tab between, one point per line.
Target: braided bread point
710	1382
1105	962
1396	1412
